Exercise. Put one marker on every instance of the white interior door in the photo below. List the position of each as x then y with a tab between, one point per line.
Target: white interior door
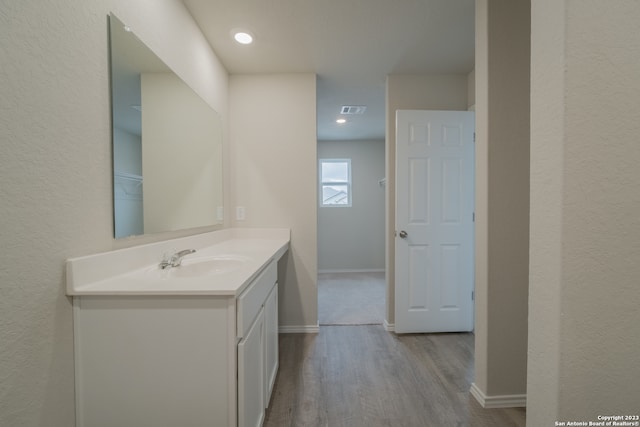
434	221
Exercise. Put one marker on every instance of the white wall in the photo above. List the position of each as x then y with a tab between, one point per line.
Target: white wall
55	175
502	198
352	238
585	199
419	92
273	164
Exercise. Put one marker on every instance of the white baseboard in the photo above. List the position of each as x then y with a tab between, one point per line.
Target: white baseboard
503	401
389	327
301	329
360	270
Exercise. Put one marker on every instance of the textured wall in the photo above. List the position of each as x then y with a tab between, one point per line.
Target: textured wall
412	92
546	176
55	175
352	238
273	163
585	199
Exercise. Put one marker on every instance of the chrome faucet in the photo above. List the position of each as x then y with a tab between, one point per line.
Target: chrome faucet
176	259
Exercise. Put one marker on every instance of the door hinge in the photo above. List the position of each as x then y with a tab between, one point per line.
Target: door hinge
473	217
473	295
474	137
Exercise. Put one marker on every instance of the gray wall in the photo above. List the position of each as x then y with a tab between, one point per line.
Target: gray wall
352	238
502	197
55	175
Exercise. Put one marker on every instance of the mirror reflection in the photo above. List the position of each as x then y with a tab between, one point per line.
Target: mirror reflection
167	144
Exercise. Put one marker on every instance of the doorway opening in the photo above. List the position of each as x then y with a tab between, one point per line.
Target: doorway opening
351	241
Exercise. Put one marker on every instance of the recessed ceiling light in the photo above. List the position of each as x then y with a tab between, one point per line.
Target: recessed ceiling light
243	37
341	121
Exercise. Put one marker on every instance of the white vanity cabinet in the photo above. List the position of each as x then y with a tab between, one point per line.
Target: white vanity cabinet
251	378
270	342
177	360
255	330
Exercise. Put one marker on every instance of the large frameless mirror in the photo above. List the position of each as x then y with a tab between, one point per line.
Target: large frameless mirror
167	144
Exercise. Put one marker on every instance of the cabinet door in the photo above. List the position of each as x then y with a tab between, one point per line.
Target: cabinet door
271	342
251	375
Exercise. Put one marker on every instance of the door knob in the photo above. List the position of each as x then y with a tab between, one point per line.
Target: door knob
403	234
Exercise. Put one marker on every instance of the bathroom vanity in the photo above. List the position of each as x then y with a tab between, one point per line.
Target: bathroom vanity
191	345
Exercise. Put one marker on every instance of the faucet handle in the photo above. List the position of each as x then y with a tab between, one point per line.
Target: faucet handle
176	259
166	260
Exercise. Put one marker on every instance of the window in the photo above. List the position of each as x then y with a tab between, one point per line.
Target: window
335	182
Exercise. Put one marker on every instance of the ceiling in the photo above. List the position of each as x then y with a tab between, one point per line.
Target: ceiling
352	45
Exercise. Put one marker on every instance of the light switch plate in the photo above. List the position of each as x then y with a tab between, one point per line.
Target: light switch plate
240	214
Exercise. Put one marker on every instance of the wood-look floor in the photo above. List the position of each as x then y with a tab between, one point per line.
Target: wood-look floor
365	376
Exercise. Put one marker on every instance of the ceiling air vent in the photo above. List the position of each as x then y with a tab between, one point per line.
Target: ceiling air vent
353	109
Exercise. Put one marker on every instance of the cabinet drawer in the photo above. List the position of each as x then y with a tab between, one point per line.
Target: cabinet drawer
251	299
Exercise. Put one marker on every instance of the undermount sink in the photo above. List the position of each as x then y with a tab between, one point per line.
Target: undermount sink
196	267
199	267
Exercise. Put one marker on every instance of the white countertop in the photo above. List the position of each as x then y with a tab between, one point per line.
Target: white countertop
134	271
